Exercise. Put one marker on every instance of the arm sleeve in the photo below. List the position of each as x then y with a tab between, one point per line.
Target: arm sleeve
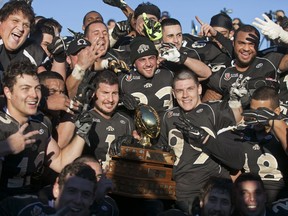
226	43
227	148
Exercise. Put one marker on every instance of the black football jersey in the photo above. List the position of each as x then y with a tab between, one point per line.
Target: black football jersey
24	205
21	172
266	157
104	131
262	71
155	91
193	166
29	51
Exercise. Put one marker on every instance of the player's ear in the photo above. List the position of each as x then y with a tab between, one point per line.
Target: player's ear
7	92
277	110
200	89
173	93
56	188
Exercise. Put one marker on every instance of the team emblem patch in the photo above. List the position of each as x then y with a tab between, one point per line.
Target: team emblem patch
128	77
259	65
227	76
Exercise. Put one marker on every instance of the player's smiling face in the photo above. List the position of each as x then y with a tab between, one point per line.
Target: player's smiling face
14	30
23	98
173	34
107	98
77	193
187	94
146	65
251	198
245	50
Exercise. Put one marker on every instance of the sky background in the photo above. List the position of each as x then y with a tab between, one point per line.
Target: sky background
70	13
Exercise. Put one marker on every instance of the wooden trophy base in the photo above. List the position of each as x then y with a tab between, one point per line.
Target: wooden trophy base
142	173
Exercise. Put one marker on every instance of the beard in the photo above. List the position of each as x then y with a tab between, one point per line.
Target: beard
243	64
103	111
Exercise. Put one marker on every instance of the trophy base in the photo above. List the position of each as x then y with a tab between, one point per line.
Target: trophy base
142	173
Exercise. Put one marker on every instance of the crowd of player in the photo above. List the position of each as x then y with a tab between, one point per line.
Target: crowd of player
68	105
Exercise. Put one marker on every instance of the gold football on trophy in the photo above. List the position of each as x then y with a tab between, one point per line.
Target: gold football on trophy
148	123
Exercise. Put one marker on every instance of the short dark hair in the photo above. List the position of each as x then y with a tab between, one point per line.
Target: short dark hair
38	31
107	77
185	74
49	75
91	23
51	22
13	7
18	68
243	177
267	93
93	11
223	184
149	8
78	169
169	22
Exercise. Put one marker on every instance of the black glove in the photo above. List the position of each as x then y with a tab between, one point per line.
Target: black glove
191	133
129	101
126	140
116	3
118	66
262	115
86	90
83	125
153	28
121	29
77	35
57	49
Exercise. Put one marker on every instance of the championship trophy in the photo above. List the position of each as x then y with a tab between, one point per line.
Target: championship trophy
141	171
148	124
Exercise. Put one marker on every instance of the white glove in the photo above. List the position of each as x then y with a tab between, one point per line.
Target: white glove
169	52
271	29
237	91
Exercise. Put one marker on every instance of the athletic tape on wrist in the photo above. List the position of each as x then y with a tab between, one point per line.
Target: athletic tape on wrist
78	72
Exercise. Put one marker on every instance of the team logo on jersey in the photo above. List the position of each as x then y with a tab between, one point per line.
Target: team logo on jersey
157	71
110	128
122	122
96	120
148	85
41	131
227	76
129	77
256	147
172	114
259	65
199	110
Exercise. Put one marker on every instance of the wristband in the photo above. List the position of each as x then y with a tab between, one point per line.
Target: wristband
78	72
283	36
104	63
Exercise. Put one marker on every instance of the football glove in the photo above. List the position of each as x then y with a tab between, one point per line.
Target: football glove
192	134
237	91
152	28
57	49
118	66
169	52
121	29
129	101
116	3
271	29
262	115
83	125
125	140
